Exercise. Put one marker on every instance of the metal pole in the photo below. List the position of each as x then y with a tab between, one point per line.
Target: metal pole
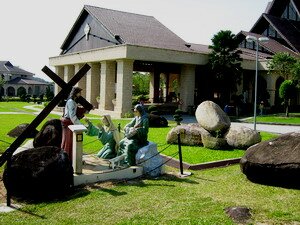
8	194
255	91
180	154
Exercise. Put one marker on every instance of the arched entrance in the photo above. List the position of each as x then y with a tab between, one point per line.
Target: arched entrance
11	91
21	91
1	91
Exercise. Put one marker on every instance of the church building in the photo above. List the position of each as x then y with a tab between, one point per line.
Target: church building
115	44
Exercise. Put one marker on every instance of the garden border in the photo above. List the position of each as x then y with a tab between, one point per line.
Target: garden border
220	163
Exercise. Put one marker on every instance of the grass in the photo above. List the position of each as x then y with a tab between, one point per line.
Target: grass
198	199
293	119
191	154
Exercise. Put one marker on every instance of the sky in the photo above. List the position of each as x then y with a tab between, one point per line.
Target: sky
31	31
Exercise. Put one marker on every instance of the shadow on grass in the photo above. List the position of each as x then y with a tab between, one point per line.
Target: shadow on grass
75	193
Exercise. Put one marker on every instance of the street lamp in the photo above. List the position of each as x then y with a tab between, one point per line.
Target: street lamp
256	40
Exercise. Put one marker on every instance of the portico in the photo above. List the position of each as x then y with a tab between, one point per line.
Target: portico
110	76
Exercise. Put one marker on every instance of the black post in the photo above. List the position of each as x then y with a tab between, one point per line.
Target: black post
8	195
180	154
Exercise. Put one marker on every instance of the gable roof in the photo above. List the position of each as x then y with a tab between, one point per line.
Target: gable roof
271	45
24	81
7	67
131	28
289	30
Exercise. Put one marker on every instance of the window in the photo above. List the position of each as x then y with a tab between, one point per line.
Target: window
250	45
290	13
272	32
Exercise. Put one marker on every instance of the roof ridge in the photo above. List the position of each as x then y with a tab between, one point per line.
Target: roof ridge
138	14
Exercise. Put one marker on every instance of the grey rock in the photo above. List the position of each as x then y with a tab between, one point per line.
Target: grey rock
212	142
242	137
190	134
211	117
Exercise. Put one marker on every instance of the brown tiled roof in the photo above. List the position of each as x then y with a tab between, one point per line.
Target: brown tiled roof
7	67
251	54
272	45
200	48
137	29
287	29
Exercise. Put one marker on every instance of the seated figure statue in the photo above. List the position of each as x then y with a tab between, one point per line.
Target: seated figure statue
108	134
136	135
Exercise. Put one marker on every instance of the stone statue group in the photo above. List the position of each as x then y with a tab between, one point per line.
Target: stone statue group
115	142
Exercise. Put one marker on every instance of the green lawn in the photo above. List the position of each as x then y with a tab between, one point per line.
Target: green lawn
293	119
191	154
198	199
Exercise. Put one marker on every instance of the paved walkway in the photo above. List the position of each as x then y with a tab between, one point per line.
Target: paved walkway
280	129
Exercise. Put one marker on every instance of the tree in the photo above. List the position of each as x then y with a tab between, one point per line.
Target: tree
284	64
141	83
296	71
225	63
49	94
287	91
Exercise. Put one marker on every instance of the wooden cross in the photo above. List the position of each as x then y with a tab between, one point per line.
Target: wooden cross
66	88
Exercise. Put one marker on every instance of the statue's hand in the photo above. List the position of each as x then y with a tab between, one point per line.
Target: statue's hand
131	133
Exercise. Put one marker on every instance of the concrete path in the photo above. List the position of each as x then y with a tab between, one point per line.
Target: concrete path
280	129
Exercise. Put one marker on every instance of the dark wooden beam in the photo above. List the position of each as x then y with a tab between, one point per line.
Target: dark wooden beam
43	114
60	82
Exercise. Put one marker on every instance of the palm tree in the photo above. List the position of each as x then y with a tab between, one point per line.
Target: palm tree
225	64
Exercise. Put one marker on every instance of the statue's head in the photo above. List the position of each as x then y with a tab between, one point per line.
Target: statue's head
139	109
75	92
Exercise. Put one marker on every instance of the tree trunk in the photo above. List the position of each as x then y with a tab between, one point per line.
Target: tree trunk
287	108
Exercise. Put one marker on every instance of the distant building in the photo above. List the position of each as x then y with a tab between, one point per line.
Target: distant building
116	43
281	24
17	79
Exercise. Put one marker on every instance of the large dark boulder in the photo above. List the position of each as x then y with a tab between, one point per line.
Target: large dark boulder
39	173
275	162
18	130
157	121
49	135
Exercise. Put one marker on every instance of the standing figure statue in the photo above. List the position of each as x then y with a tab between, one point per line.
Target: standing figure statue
136	135
108	134
70	117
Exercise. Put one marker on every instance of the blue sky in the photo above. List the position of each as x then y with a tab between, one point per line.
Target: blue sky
33	30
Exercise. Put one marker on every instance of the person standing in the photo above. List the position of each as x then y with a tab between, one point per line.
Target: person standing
69	118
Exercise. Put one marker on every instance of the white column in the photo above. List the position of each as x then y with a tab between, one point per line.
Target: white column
82	82
151	87
271	86
59	70
107	85
187	86
93	83
69	72
77	147
124	86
